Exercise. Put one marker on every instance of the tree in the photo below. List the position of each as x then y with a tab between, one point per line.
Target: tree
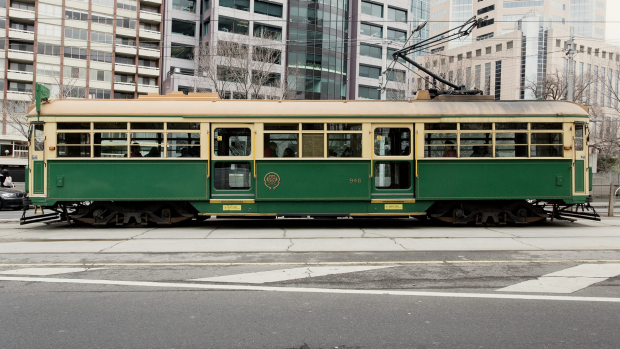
554	86
249	68
16	112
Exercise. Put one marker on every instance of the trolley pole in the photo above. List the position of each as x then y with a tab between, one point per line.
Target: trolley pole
571	72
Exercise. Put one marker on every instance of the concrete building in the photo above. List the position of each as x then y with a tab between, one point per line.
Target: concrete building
78	49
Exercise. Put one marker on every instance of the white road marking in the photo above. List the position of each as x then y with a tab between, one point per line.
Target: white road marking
310	290
45	271
567	280
287	274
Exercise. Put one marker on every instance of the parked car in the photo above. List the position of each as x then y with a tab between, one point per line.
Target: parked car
11	198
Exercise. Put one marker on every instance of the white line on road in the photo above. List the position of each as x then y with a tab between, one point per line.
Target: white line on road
288	274
567	280
310	290
45	271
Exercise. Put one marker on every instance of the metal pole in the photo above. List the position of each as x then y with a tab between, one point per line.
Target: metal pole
571	73
610	211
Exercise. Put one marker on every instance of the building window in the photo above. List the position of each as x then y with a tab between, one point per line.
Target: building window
371	30
98	93
396	76
150	27
371	51
102	19
101	37
76	15
77	53
75	33
124	60
205	27
121	95
267	32
498	80
184	5
98	56
124	22
183	28
109	3
369	8
49	30
126	41
368	92
368	71
74	72
243	5
100	75
129	5
396	35
48	10
485	36
231	25
181	51
397	15
147	63
264	54
48	69
48	49
268	9
486	9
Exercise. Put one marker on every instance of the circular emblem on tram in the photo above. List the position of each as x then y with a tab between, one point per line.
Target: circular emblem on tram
272	180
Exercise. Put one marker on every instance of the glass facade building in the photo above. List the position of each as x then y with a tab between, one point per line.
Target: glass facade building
318	35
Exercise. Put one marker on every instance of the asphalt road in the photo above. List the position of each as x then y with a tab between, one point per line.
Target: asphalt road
350	284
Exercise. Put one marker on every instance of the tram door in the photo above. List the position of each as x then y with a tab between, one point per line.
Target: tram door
580	170
393	167
37	170
232	162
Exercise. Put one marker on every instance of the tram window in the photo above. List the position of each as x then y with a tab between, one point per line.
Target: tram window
392	175
71	145
232	176
281	127
39	138
392	141
438	145
578	137
183	126
511	126
344	127
110	144
476	126
147	125
146	144
232	142
313	127
110	126
511	145
344	145
313	145
476	145
73	126
184	145
440	126
546	145
546	126
281	145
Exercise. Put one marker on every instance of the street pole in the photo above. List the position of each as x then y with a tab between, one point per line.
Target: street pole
610	210
571	72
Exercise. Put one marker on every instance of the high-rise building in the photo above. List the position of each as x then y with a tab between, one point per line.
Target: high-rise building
78	49
336	49
588	18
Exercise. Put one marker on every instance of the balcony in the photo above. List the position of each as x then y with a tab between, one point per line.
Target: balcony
16	13
126	49
150	17
150	34
148	89
148	52
21	34
125	68
148	71
21	56
124	86
19	96
17	75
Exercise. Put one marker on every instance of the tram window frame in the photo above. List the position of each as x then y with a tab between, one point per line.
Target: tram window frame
394	174
71	147
315	137
523	133
192	150
393	140
119	148
220	168
248	148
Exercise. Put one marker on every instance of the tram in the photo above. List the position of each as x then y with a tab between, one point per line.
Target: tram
166	159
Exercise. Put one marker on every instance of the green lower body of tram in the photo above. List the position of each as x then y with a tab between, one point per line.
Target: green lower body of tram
169	191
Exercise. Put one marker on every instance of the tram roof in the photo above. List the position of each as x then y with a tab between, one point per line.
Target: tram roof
273	108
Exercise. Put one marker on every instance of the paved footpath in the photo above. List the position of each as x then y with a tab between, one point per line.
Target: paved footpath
344	235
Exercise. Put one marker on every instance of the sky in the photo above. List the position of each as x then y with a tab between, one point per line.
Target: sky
613	22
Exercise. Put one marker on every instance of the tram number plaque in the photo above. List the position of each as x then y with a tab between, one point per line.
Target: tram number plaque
355	180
